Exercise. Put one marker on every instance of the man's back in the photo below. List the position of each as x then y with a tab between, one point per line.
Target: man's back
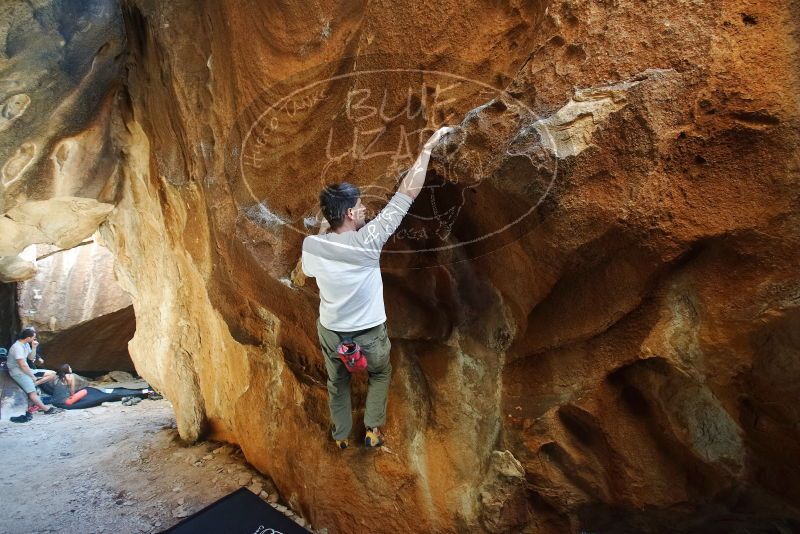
347	269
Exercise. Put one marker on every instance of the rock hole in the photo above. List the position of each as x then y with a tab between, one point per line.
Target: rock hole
498	105
557	40
748	20
16	165
758	118
568	13
682	135
700	160
103	50
62	154
14	106
579	424
635	402
554	452
575	52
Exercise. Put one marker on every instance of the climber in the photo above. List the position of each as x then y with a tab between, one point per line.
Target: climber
346	263
18	369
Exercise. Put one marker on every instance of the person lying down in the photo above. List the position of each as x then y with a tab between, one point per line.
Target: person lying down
64	395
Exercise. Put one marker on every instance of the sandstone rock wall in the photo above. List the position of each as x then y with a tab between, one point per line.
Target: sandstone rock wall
597	326
59	64
82	316
71	287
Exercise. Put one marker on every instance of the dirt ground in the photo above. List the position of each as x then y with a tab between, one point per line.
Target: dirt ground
114	469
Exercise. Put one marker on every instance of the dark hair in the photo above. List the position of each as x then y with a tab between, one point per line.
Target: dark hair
335	200
63	371
26	333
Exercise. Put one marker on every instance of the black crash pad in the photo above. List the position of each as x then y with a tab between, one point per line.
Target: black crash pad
97	396
241	512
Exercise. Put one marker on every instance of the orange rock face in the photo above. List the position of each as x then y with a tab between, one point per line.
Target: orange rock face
593	306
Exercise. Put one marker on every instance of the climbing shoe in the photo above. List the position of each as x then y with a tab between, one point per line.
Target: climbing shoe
52	410
342	443
24	418
33	409
374	438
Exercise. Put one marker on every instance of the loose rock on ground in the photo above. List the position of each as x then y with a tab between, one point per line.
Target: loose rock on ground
114	469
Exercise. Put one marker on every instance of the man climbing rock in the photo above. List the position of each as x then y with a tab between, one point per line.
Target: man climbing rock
346	263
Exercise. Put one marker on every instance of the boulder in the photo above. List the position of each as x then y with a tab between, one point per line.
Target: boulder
593	305
82	316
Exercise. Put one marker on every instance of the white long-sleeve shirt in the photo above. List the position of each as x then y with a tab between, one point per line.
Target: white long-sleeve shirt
348	272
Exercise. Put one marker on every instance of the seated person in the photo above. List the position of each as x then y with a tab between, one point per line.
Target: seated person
63	387
65	396
35	361
22	374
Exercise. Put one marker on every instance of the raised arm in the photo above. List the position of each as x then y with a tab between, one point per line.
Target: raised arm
415	177
32	354
374	235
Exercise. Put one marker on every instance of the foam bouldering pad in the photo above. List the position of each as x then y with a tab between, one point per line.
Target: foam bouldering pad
241	512
96	397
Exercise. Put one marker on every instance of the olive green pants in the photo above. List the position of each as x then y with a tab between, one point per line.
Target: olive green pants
375	347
